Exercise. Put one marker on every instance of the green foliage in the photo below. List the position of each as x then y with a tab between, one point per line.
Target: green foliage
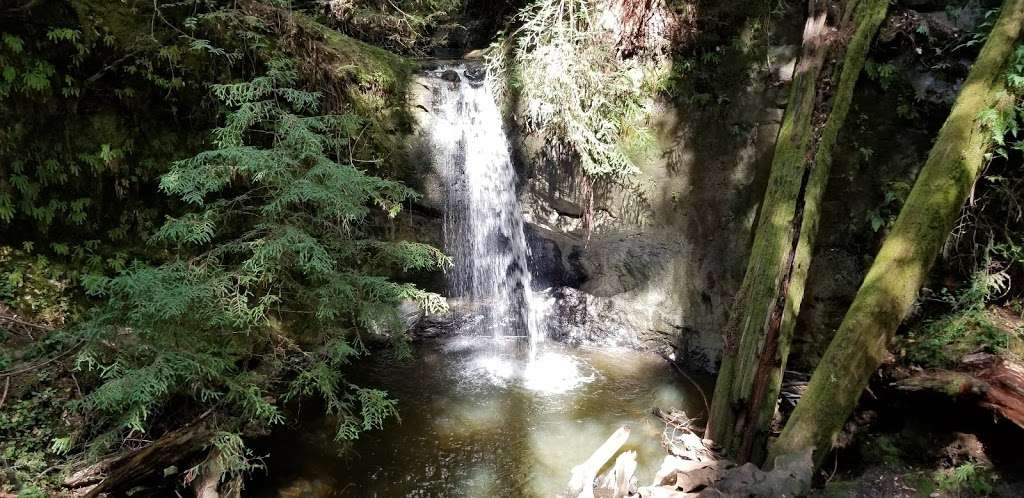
967	328
587	101
971	478
980	32
29	426
90	110
1004	120
404	26
884	73
33	285
893	81
987	242
885	214
281	236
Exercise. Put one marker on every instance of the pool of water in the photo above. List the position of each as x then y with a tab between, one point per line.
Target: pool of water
485	418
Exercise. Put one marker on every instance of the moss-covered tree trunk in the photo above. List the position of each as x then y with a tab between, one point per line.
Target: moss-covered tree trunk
892	283
765	309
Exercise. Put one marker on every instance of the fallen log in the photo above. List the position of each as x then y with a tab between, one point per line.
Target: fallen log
581	484
993	381
117	473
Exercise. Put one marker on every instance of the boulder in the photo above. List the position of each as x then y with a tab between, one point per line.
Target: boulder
451	75
475	73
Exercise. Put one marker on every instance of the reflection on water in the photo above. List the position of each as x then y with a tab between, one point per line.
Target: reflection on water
477	420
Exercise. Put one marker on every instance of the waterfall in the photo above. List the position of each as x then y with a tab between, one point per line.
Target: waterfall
483	220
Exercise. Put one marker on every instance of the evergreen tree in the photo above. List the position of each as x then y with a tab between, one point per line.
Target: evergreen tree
277	274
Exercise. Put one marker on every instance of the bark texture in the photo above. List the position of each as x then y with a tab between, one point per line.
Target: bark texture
120	472
992	381
892	283
765	309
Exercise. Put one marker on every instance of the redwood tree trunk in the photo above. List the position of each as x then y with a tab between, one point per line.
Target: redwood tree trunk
765	309
892	283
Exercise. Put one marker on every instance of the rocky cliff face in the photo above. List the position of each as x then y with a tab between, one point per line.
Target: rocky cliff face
664	258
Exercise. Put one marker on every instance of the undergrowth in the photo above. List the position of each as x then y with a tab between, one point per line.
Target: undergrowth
241	280
969	478
967	328
588	99
987	245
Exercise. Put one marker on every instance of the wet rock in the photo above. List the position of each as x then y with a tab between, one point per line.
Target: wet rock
577	317
430	65
475	73
566	208
554	259
461	316
451	75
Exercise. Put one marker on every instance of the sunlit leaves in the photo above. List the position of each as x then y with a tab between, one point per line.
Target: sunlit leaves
582	96
63	34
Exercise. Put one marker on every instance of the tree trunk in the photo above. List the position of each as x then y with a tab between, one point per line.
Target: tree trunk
764	312
892	283
118	473
992	381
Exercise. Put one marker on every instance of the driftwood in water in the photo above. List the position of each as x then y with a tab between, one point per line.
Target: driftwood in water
119	472
995	382
621	480
581	484
693	470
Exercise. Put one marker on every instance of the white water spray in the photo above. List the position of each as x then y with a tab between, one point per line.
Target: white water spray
484	235
483	219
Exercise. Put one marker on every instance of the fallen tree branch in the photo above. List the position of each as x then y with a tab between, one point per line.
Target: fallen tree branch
23	323
7	385
680	436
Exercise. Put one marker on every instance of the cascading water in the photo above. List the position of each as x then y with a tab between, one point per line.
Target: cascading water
480	418
483	219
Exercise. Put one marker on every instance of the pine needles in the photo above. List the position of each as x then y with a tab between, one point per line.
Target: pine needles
281	234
